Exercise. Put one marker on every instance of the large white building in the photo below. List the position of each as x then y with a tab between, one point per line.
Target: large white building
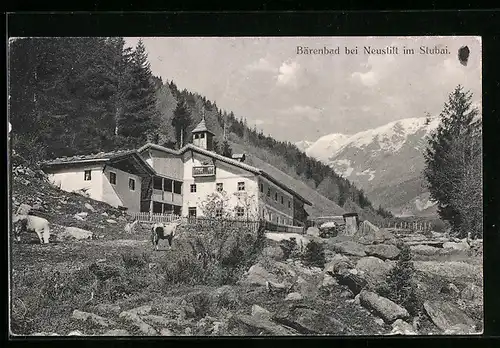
191	181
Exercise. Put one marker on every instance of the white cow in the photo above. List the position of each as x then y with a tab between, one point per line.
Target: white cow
31	223
164	231
130	227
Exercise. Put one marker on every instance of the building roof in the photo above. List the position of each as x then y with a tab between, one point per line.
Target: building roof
101	157
201	127
235	162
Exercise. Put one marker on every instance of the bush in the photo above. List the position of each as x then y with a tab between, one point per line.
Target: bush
329	232
400	286
135	260
289	247
314	255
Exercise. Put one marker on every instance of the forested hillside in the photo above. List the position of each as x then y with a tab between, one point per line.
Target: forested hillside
72	96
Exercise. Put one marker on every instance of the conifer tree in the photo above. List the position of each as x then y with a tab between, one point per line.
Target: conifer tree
226	149
181	121
138	122
453	165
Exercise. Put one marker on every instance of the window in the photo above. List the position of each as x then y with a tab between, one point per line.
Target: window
192	212
262	188
167	185
289	204
241	186
218	213
112	178
177	187
277	220
196	136
268	192
193	188
131	184
219	187
282	201
87	176
157	183
240	212
276	196
202	135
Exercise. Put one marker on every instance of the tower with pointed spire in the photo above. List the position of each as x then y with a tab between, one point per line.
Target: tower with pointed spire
202	137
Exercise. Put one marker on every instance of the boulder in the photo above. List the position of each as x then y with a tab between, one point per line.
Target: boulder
75	233
472	293
349	248
89	207
374	270
462	246
426	250
259	312
313	231
75	333
383	251
275	253
459	329
450	289
293	296
446	315
400	327
261	324
257	275
93	318
307	321
354	282
451	269
328	282
371	234
166	332
383	307
135	320
337	264
116	332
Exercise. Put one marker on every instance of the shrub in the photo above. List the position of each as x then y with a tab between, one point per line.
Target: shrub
218	256
400	286
289	247
135	260
202	303
186	270
314	255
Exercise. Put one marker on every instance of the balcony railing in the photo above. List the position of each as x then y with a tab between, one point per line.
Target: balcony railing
208	170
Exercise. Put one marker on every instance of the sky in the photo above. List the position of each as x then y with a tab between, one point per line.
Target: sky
295	97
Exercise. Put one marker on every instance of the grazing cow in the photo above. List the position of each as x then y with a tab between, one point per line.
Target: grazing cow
31	223
162	231
130	227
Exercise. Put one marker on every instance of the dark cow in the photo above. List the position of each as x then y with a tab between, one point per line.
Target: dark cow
162	231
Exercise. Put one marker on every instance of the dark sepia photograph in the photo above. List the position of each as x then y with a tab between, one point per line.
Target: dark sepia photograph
245	186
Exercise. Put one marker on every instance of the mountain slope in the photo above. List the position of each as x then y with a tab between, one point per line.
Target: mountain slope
386	162
322	206
303	145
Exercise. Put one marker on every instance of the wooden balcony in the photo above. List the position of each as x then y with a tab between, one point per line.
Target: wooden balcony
167	197
208	170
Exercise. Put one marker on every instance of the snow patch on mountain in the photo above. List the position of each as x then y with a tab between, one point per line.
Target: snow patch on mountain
323	148
343	167
369	172
303	145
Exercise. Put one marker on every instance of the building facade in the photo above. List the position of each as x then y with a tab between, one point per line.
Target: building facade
115	178
192	181
195	181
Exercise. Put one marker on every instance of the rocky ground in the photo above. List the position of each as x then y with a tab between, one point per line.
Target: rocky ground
108	282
